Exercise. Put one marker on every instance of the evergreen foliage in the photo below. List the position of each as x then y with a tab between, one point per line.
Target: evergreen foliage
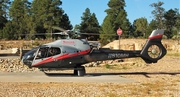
177	25
89	24
158	13
4	6
141	25
170	22
116	18
20	19
152	26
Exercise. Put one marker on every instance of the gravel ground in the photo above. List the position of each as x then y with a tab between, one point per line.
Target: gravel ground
154	80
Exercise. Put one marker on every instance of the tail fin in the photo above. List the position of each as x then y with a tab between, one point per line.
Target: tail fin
153	50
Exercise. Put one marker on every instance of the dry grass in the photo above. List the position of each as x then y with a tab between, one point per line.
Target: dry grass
177	54
153	89
151	84
152	80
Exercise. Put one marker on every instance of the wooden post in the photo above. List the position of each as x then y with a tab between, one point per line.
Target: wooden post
20	52
119	42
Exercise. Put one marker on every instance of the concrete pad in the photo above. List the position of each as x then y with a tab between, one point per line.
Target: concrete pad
41	77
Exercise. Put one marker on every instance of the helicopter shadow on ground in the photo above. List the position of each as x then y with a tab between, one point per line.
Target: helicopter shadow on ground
146	74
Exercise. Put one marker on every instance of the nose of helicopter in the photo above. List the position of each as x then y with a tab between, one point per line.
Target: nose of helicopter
25	61
28	58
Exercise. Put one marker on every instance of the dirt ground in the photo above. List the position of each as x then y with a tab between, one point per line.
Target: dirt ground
152	80
160	79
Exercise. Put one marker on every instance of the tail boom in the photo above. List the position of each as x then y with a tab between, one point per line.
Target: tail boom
152	51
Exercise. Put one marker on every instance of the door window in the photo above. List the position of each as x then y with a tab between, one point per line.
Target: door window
48	52
54	51
42	53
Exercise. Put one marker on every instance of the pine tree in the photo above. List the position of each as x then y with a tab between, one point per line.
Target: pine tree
47	13
107	30
153	25
3	12
3	21
141	27
4	6
18	15
177	26
158	13
8	31
116	18
89	24
85	20
170	22
65	23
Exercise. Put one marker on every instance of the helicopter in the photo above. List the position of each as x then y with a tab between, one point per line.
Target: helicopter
73	53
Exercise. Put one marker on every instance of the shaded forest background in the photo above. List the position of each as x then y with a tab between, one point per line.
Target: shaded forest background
21	19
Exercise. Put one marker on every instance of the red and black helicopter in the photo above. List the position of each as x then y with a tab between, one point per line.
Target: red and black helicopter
73	53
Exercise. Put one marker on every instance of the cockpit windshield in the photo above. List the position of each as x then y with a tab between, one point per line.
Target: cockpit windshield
40	53
29	56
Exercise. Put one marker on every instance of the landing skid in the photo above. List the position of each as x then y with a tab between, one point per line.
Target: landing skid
79	71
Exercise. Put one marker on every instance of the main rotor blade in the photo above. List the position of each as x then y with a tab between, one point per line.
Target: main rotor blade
59	33
94	34
67	33
36	34
59	28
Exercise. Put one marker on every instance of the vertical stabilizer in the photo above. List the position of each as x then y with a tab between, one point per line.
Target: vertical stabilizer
153	49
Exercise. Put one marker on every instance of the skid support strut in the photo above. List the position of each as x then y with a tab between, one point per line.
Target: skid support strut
79	71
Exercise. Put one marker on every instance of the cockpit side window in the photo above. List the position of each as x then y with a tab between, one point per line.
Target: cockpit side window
54	51
42	53
48	52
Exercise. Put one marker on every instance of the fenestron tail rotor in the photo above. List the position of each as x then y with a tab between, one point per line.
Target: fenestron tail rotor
153	50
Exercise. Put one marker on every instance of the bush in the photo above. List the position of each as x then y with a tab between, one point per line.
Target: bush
36	43
107	66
